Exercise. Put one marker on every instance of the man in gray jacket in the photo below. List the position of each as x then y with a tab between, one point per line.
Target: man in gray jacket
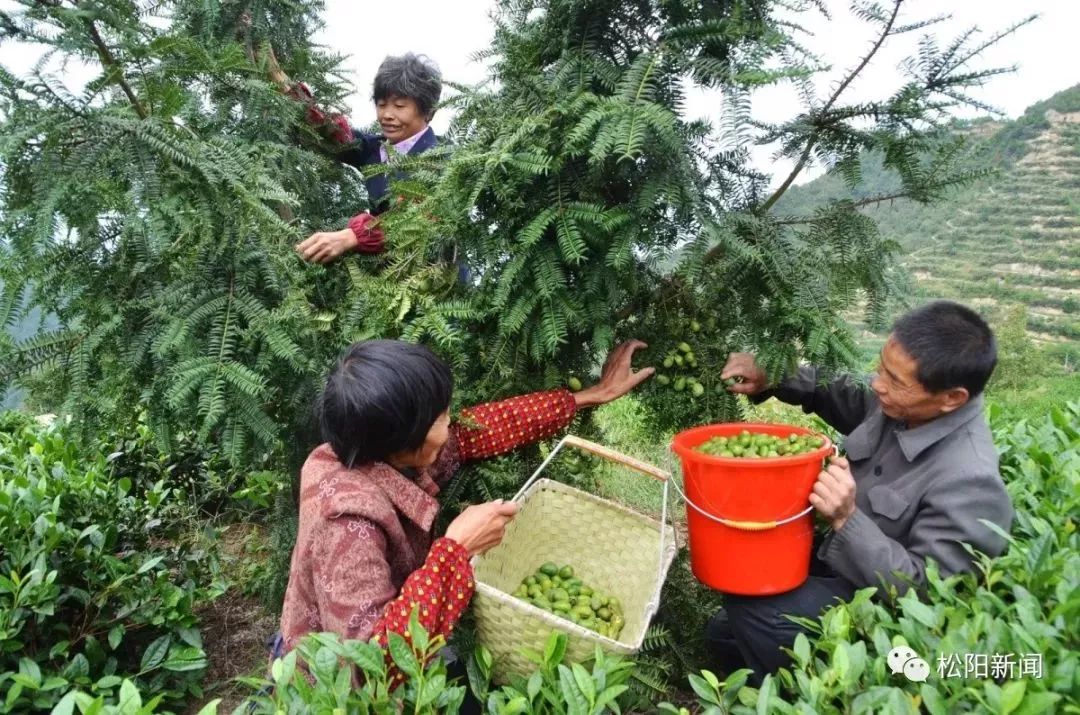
921	473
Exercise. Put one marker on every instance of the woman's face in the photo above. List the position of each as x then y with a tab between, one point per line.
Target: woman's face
399	117
434	442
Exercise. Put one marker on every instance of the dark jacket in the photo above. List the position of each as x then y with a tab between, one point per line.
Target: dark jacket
364	151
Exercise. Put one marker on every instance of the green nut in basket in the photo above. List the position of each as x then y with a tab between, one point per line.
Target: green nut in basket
559	591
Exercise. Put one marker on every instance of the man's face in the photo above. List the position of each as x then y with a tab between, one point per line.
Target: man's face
399	117
902	396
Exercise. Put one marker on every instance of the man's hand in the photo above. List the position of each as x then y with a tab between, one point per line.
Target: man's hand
744	368
326	247
834	492
617	378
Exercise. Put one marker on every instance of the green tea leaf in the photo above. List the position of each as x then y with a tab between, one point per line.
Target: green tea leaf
555	649
572	696
155	653
129	700
584	682
116	634
802	650
403	655
1012	694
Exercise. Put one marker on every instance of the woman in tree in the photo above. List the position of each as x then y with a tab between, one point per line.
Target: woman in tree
366	556
406	92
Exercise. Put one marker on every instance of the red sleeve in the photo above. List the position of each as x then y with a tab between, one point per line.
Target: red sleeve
335	126
439	591
369	238
495	428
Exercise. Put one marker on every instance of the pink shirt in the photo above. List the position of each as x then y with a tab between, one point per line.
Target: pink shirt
402	147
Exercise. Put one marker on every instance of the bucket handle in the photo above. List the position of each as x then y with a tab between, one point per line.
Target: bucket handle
637	465
745	525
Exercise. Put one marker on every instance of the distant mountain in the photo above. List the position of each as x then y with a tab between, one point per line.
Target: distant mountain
1010	239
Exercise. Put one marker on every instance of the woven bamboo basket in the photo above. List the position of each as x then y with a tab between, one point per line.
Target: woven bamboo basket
613	549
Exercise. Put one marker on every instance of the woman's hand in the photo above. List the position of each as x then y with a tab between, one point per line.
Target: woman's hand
617	378
481	526
325	247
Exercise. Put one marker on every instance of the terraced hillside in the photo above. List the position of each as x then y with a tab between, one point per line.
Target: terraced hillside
1011	239
1017	238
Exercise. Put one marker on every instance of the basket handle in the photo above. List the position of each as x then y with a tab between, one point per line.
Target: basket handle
600	451
611	455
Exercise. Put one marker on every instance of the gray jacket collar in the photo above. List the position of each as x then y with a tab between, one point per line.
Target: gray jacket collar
915	441
863	440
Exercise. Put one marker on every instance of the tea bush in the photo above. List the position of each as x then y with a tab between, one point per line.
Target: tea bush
95	586
1002	639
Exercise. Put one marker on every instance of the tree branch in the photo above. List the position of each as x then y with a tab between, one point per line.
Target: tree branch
812	141
861	203
113	67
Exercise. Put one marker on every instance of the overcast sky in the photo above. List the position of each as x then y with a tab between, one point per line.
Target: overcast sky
1045	51
450	32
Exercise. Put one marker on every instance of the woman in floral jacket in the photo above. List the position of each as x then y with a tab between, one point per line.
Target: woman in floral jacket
365	554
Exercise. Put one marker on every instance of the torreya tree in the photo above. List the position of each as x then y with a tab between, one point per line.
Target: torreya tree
154	211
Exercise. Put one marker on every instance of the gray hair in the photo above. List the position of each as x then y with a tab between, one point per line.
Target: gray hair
410	75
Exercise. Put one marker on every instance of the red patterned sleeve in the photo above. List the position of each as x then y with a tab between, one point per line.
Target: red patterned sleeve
334	126
496	428
355	595
439	591
369	237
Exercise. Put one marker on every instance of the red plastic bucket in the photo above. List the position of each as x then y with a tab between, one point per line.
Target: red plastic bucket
742	549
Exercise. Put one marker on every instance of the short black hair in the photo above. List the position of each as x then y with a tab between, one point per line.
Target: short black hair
952	346
381	398
410	75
